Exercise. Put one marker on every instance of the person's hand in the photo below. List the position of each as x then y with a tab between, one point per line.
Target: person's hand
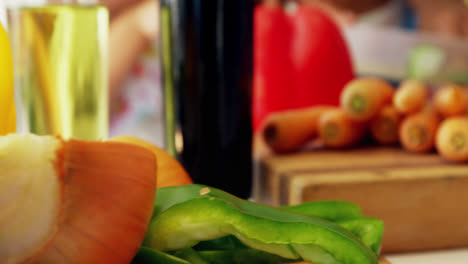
134	26
119	6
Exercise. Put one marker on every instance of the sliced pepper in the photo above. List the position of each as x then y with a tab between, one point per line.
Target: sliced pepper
329	210
369	230
241	256
347	215
151	256
223	243
232	256
215	214
191	256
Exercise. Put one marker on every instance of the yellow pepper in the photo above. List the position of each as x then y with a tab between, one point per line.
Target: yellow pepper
7	105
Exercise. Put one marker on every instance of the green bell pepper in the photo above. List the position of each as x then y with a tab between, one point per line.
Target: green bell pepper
223	243
329	210
191	256
242	256
234	256
347	215
182	221
151	256
368	230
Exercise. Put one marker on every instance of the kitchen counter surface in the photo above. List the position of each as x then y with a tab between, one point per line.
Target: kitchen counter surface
458	256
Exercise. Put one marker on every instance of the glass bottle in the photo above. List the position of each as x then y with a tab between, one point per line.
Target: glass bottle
206	50
61	66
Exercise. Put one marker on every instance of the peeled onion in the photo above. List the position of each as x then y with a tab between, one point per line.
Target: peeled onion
73	201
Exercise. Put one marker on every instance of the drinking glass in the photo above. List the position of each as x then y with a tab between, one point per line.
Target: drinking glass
61	72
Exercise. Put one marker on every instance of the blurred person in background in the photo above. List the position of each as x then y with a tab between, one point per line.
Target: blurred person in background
134	73
135	24
134	28
445	17
135	89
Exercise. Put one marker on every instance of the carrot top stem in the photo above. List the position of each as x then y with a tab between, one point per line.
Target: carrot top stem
458	142
358	103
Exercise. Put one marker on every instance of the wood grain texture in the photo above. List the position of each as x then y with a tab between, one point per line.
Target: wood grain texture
422	199
274	168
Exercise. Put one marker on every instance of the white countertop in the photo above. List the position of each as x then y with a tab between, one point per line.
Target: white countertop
459	256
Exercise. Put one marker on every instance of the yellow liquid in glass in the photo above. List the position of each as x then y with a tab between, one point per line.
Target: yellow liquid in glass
60	54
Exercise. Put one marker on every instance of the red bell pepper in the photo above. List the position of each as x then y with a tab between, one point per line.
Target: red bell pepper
300	60
321	61
272	62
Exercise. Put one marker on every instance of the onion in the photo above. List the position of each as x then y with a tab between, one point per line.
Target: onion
73	201
170	171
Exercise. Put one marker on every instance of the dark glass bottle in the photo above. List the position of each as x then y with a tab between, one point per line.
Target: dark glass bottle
207	60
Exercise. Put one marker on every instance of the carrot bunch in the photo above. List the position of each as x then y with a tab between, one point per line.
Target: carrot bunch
409	115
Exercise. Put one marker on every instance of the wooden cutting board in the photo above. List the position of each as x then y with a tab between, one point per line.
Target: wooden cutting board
422	199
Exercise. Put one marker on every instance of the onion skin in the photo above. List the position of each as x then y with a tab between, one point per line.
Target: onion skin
107	199
170	171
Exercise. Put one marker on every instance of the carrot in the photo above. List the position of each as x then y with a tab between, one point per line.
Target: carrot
410	97
287	131
362	98
452	139
418	131
338	131
384	127
451	100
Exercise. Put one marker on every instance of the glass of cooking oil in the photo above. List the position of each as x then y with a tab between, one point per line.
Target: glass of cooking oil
61	72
